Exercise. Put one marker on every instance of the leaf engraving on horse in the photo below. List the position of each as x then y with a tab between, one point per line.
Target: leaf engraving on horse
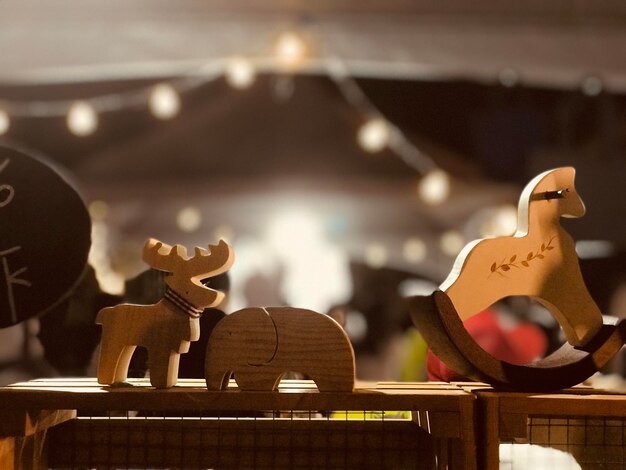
538	261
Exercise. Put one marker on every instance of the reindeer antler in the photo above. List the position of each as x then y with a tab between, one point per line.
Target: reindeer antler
162	256
216	260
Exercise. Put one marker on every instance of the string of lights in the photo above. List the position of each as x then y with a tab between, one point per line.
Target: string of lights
163	100
290	53
378	133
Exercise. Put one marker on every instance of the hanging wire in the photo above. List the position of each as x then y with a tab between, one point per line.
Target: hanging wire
338	72
118	101
354	95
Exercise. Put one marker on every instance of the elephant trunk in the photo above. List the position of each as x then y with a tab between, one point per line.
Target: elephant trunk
245	338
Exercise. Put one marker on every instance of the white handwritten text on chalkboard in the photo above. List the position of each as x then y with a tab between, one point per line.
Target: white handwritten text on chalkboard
6	190
12	278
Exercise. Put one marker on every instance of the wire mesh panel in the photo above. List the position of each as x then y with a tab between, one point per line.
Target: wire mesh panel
297	440
589	440
572	429
568	442
188	426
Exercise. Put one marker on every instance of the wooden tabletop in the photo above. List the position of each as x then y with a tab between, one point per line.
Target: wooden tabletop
582	400
191	394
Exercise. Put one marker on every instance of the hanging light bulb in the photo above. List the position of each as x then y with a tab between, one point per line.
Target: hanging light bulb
434	188
290	50
240	73
82	119
164	101
374	135
5	122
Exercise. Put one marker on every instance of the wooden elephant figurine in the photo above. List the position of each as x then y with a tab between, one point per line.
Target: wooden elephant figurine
259	345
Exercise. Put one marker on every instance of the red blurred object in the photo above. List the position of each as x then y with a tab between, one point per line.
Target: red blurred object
520	345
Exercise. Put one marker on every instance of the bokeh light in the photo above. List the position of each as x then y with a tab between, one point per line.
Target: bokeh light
376	255
82	119
501	223
240	73
434	188
164	101
452	242
290	50
374	135
189	219
414	250
5	122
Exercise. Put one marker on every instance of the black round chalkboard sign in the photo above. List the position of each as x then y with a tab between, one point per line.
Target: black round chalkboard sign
45	234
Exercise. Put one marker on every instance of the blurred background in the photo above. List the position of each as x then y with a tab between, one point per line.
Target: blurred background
348	150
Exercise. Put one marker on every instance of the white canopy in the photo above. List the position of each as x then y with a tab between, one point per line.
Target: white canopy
546	44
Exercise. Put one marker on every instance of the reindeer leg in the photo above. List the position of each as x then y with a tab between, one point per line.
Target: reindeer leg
114	360
121	371
107	365
163	364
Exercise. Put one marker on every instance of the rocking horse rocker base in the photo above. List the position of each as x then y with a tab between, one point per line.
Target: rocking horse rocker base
437	319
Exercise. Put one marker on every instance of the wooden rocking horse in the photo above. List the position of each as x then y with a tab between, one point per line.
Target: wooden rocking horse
540	262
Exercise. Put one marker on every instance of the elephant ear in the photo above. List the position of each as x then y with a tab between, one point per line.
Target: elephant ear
252	337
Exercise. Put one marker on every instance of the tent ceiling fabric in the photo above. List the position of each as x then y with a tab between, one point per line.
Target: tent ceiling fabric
551	44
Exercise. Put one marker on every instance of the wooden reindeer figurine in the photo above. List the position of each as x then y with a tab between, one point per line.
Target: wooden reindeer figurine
539	261
166	328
